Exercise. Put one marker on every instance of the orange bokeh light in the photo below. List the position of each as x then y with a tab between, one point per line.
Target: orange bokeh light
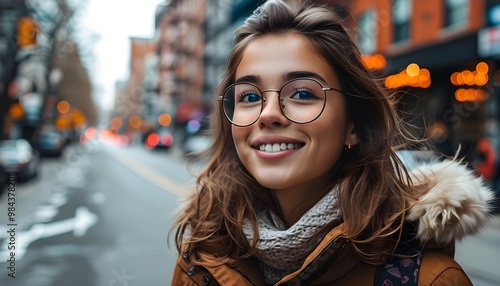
478	77
164	119
374	62
470	94
481	79
16	111
412	70
482	68
454	78
63	106
135	121
468	77
413	76
116	123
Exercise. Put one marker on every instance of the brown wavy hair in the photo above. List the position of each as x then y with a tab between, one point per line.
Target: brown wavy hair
210	225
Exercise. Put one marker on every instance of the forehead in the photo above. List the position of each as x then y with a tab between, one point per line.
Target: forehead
271	57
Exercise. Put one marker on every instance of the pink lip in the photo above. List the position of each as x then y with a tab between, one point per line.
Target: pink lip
274	155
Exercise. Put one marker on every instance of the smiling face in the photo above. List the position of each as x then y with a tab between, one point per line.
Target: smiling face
284	156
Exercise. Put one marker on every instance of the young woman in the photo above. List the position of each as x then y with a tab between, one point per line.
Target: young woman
303	185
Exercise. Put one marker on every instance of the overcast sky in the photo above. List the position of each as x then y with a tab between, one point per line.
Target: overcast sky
114	21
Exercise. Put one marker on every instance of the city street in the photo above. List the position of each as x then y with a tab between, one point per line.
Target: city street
100	215
92	218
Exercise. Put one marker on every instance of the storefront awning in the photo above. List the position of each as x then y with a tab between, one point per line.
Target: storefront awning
435	56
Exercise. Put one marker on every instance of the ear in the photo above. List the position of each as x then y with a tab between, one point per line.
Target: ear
351	137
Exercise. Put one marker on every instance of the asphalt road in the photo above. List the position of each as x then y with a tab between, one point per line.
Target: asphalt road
100	216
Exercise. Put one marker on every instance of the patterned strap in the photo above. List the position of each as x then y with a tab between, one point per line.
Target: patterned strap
399	271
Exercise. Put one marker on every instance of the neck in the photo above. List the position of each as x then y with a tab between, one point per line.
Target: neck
294	204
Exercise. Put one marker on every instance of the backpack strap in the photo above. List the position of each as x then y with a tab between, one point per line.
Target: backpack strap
399	270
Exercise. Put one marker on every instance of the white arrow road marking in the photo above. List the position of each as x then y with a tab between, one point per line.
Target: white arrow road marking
58	199
45	213
79	225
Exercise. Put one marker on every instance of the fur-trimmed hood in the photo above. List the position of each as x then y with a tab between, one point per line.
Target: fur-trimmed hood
457	203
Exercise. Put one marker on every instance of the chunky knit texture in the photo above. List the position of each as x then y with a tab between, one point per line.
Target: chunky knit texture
280	250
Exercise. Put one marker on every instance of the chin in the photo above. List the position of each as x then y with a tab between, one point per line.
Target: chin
274	181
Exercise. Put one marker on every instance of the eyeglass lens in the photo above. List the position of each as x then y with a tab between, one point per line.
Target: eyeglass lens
301	101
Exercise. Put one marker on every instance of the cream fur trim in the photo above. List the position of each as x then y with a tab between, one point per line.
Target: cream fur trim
457	203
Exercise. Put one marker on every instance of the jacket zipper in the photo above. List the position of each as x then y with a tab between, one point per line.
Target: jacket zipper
325	268
330	263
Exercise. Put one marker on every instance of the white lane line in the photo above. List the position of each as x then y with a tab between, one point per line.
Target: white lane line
150	174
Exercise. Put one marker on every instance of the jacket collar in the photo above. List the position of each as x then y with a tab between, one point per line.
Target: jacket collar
457	203
334	248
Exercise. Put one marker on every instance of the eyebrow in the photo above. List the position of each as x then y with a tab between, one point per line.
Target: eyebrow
255	79
297	74
249	78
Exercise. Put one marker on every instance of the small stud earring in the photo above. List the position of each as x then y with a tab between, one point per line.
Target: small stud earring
348	147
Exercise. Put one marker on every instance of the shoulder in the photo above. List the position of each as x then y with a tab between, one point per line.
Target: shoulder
438	268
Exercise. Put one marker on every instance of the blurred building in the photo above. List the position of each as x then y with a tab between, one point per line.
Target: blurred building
133	96
440	44
34	44
223	18
181	58
13	13
74	87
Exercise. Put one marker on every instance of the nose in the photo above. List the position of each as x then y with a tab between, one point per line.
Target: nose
271	115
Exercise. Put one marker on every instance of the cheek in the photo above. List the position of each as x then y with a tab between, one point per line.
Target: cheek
330	134
240	135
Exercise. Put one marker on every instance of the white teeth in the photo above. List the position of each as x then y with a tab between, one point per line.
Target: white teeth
269	148
276	147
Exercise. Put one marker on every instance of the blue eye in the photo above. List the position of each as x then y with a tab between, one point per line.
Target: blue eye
303	94
250	96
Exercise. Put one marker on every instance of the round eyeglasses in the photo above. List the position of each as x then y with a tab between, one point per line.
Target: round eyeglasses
302	100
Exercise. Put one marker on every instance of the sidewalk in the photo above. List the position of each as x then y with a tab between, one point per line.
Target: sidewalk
480	255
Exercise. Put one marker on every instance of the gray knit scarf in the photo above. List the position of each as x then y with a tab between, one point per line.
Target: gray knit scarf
281	251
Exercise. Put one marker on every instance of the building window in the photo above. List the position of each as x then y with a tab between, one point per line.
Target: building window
401	11
456	13
367	35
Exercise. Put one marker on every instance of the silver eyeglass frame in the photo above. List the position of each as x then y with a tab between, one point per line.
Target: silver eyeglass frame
324	88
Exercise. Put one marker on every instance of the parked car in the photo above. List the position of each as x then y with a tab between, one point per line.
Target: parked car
161	138
18	157
49	142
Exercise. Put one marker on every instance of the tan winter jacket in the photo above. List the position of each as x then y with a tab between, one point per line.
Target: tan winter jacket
456	205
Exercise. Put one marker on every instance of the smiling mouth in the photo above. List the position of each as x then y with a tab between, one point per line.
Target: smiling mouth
276	147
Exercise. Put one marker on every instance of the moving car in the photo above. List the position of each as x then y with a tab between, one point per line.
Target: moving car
161	138
18	157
